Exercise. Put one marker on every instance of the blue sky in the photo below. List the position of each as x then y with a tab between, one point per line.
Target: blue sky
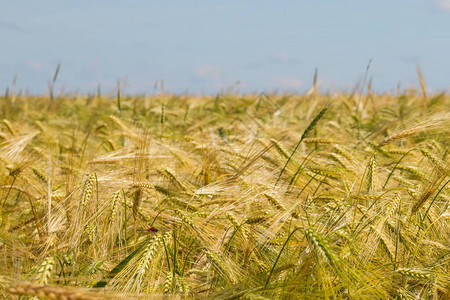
205	46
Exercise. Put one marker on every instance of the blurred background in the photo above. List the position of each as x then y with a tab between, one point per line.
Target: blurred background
204	47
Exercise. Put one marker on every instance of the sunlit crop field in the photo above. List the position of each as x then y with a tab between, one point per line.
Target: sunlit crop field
252	197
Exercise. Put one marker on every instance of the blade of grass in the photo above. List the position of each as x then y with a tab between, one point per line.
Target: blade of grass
120	266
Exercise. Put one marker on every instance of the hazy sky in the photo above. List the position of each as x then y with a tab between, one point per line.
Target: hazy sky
209	45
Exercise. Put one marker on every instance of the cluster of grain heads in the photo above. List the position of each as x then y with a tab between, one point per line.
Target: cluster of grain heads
378	230
357	212
423	283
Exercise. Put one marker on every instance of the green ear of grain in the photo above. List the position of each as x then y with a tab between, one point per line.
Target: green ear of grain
56	72
118	95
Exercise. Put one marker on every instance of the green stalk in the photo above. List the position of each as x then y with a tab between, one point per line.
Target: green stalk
305	133
279	255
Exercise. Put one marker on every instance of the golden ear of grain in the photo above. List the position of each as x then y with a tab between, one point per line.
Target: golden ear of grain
392	206
371	174
51	292
398	136
422	82
280	148
257	219
168	283
232	219
88	190
45	270
272	200
433	122
320	246
387	244
184	218
149	252
433	159
113	208
433	186
9	126
39	175
344	153
320	141
119	123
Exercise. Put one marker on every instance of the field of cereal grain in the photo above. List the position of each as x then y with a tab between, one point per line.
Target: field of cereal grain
253	197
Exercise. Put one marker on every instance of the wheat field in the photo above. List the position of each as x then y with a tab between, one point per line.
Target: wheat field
266	196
